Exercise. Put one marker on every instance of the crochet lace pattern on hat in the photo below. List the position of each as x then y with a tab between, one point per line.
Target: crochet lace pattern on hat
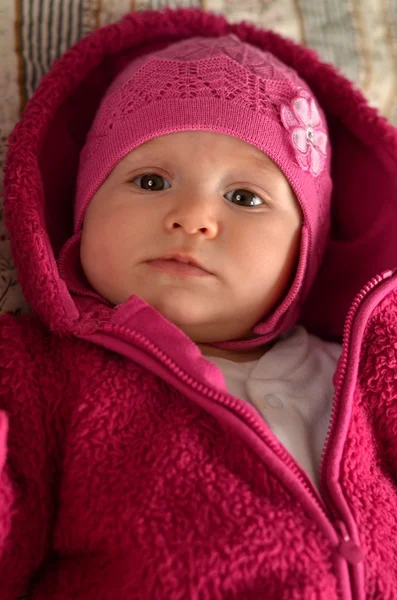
262	85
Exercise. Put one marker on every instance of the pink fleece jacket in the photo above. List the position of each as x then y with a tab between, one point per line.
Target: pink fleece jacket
127	471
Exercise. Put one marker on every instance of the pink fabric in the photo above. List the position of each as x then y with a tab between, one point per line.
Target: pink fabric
126	470
220	84
125	486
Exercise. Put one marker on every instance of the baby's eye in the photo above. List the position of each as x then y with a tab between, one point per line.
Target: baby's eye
152	181
244	198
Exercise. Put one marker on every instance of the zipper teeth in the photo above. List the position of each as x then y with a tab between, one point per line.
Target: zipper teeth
88	294
226	400
235	405
342	372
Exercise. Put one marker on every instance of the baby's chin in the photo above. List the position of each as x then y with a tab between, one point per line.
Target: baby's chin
204	326
189	315
199	313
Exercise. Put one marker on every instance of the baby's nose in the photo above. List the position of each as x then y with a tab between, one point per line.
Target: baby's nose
193	217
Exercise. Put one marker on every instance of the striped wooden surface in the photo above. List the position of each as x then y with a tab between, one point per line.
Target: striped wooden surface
359	36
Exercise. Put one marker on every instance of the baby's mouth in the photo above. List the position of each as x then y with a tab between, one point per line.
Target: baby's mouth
178	268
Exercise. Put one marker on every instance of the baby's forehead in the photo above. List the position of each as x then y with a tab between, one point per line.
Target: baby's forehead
188	143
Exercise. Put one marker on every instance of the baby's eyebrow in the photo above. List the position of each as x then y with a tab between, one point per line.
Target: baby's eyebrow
248	164
262	164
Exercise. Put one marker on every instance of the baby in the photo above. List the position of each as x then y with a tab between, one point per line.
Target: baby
228	189
172	425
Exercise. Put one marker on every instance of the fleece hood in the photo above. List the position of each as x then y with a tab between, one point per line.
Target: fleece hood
44	149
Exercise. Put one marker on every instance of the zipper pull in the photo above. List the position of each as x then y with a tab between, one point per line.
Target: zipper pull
347	548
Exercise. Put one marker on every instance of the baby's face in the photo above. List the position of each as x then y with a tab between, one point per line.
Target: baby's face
208	195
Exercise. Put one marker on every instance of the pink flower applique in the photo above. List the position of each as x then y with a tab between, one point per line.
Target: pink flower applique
302	119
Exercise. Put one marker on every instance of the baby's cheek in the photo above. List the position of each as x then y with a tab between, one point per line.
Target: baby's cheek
94	253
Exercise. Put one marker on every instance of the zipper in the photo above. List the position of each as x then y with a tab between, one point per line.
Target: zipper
347	548
225	400
235	405
346	340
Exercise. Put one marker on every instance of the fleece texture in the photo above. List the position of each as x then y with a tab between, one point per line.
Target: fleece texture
126	468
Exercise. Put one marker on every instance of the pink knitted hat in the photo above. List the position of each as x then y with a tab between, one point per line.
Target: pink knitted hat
228	86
